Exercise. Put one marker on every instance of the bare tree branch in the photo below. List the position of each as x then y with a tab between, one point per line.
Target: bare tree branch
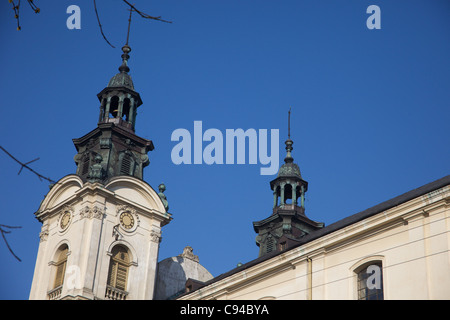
100	25
144	15
3	232
17	7
37	10
25	165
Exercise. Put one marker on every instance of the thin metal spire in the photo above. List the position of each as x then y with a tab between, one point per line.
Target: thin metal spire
126	48
129	23
289	142
289	123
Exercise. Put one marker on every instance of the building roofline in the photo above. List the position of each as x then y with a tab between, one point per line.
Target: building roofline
405	197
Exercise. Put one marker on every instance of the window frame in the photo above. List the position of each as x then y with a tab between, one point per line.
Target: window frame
362	265
361	278
115	264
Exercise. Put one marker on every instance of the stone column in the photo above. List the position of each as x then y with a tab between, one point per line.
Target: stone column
108	103
131	112
294	194
152	260
102	110
302	194
91	217
275	198
120	111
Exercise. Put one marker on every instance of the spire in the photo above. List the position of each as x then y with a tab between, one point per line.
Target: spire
289	142
113	149
125	56
126	49
288	222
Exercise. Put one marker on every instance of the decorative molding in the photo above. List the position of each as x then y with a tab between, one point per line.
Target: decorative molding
92	212
125	208
155	236
43	235
105	143
438	194
65	210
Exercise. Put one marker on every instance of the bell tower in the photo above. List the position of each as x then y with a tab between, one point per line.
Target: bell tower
101	227
113	149
288	222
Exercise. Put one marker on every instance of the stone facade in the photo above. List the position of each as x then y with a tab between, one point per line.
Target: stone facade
408	237
88	219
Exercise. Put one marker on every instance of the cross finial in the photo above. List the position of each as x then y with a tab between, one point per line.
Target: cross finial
129	24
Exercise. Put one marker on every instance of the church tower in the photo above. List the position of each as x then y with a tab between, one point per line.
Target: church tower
101	227
114	142
288	222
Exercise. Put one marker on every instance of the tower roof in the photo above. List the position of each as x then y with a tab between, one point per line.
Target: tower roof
289	168
123	79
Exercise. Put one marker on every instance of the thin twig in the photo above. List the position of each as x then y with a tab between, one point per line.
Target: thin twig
16	10
100	25
33	6
6	241
144	15
24	165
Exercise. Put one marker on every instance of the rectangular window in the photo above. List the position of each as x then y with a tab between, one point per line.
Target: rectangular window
126	165
60	271
370	282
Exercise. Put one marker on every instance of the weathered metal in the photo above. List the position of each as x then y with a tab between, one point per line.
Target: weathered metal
113	149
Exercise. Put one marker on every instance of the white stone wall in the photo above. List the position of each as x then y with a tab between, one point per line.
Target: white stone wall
92	233
411	240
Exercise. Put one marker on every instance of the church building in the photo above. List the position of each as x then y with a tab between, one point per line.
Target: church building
102	226
398	249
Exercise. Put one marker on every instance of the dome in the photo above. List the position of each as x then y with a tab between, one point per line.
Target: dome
175	271
122	79
289	169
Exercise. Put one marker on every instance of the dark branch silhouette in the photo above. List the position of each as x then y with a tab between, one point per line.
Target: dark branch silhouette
25	165
16	8
144	15
3	232
100	25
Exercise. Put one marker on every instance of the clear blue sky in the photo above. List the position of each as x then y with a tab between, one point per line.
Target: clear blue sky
370	108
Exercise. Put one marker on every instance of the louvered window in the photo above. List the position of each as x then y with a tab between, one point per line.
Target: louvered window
270	244
125	167
85	165
61	267
118	268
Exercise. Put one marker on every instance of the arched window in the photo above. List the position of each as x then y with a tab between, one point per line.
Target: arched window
114	106
118	268
370	281
60	265
126	110
288	194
